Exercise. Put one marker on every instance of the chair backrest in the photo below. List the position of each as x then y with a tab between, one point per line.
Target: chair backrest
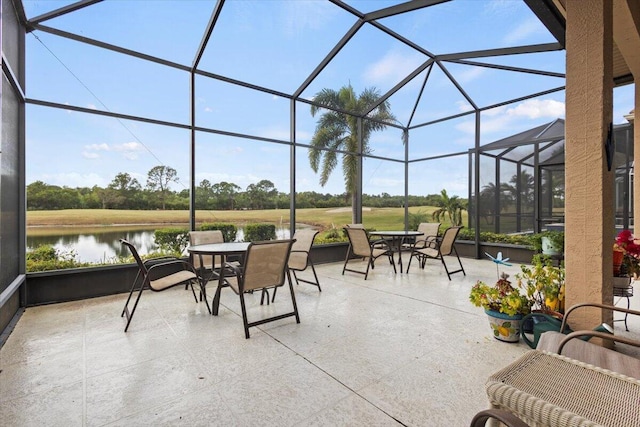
301	247
136	256
202	238
355	226
448	239
428	229
359	240
265	264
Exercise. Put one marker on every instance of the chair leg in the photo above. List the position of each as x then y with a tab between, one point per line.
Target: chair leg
369	264
449	273
298	280
346	260
315	276
133	286
393	263
135	305
244	315
265	292
293	297
203	293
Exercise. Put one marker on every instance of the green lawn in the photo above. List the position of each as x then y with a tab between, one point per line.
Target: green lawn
374	218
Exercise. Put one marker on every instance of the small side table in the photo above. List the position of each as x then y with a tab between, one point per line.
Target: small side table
624	292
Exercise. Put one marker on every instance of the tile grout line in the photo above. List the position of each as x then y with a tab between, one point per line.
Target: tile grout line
266	332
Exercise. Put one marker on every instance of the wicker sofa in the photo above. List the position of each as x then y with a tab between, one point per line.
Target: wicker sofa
568	382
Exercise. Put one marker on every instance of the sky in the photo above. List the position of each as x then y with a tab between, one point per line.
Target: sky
276	44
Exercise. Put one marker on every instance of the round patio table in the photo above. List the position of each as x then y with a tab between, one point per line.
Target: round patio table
223	250
397	238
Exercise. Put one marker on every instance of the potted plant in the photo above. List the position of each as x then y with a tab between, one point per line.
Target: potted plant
626	257
543	284
549	242
504	306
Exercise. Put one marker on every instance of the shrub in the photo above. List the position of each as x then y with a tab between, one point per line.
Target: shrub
46	258
332	235
415	219
229	231
258	232
486	236
172	240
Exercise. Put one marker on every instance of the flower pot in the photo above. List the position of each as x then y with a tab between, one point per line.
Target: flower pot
548	248
618	257
504	327
621	282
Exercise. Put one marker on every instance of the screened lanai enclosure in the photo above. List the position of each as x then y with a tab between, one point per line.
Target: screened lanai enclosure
213	91
521	180
380	97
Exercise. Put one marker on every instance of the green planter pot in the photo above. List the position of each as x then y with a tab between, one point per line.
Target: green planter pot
504	327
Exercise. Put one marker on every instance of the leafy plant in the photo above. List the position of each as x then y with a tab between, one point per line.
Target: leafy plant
626	243
450	207
489	237
46	258
172	240
258	232
415	219
502	297
555	237
543	283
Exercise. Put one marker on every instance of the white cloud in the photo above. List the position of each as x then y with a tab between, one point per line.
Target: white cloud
508	117
299	16
90	155
208	110
464	106
275	133
75	179
469	74
536	108
386	183
524	31
392	68
97	147
92	106
129	146
129	150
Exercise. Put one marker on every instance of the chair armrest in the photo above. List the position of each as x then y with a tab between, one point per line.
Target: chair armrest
603	335
184	264
177	263
382	242
233	268
502	415
597	305
299	251
158	259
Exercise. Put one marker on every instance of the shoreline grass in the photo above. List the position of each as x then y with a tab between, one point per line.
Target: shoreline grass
324	218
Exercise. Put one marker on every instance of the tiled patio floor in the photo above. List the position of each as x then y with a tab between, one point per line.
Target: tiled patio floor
396	349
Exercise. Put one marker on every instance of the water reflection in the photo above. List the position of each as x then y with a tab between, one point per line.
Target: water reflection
100	245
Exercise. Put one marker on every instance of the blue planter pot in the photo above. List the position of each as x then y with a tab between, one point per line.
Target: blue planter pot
503	326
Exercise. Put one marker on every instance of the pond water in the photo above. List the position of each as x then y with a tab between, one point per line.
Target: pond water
103	244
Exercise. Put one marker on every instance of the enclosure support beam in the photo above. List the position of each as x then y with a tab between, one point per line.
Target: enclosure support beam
589	199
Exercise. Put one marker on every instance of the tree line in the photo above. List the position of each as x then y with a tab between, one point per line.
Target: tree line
126	192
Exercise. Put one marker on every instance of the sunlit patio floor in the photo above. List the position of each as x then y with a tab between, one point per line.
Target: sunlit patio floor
396	349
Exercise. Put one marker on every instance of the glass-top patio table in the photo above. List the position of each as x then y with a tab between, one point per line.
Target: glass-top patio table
218	249
397	238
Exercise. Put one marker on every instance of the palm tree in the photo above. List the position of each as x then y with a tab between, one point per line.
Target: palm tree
338	130
450	207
